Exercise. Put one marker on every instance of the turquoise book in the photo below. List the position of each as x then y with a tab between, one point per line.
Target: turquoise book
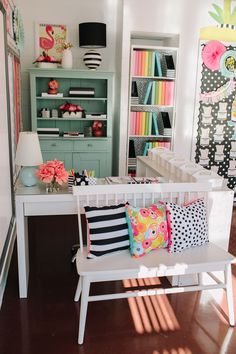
146	147
158	64
147	97
154	124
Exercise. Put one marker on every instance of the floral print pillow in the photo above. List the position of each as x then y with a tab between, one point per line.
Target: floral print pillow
147	228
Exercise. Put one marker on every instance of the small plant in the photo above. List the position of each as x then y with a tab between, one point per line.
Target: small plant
67	45
224	16
52	173
45	58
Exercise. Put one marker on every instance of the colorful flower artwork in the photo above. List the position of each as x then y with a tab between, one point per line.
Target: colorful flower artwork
50	39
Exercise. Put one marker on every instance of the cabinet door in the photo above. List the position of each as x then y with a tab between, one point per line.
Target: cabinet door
99	162
65	157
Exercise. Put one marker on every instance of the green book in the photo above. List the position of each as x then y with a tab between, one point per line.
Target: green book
158	64
148	93
154	122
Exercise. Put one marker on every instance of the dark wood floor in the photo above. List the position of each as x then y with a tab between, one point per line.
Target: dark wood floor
47	322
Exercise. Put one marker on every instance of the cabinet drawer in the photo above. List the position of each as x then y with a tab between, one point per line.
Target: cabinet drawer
53	145
92	145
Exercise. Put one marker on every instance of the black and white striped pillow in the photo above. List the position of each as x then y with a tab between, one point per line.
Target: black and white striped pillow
107	230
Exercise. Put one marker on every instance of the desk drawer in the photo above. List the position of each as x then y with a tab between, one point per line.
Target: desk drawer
90	145
56	145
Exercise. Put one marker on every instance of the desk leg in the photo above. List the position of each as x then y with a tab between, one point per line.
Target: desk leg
22	249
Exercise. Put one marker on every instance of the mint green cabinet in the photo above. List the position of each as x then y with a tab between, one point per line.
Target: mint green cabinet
89	153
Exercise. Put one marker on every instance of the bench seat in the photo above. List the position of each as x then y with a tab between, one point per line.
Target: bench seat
208	257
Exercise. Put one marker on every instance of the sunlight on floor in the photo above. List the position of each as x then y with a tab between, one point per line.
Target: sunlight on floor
151	313
179	350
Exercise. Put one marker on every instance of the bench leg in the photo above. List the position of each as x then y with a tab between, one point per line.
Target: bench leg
83	308
78	289
229	294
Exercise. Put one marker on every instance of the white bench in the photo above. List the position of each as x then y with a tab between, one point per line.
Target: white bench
119	266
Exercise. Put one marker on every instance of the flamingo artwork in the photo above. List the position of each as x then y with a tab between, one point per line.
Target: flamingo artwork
47	43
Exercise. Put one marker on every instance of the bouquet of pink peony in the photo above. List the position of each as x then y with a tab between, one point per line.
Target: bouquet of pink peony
52	173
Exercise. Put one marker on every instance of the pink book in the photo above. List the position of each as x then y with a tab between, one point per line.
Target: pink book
140	62
131	124
136	60
169	100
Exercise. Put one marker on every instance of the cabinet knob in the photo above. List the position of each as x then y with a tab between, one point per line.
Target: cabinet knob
53	144
90	145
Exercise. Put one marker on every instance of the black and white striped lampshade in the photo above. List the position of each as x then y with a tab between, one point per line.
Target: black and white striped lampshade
92	59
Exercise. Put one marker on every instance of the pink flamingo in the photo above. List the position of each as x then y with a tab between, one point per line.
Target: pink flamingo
47	43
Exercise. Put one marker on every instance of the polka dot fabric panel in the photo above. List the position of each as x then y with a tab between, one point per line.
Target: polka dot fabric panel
187	224
216	126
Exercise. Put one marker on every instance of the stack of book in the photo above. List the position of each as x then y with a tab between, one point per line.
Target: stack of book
134	93
153	144
96	115
45	94
170	66
159	93
73	134
164	125
49	132
81	92
147	63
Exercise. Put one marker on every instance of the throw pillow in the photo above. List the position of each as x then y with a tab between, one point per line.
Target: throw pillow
107	230
147	228
188	225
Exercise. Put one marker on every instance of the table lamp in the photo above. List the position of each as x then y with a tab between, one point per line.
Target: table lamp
92	35
28	155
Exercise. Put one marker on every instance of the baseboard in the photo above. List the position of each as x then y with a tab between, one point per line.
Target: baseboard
6	263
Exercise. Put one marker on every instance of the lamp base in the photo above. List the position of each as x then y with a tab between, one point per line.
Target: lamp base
27	176
92	59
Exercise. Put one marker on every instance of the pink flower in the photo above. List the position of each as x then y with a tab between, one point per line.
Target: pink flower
212	53
51	171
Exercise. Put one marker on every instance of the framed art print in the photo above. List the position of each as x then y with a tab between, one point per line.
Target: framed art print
49	38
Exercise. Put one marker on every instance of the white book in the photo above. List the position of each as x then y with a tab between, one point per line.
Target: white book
48	129
45	94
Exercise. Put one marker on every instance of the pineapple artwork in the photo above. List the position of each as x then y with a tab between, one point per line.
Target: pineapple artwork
215	147
50	40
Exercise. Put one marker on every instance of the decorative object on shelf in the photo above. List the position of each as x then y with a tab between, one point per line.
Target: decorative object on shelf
54	113
67	59
50	39
46	61
88	132
71	110
97	128
53	174
52	87
18	28
45	113
92	35
28	155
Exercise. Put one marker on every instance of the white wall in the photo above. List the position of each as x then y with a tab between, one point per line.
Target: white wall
183	17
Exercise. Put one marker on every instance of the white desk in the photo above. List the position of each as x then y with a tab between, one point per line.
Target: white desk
34	201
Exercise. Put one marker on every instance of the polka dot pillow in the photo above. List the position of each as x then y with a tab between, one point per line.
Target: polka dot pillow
187	224
147	229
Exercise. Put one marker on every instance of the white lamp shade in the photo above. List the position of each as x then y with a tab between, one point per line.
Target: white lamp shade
28	152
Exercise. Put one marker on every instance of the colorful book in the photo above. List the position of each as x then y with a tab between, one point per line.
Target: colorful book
147	97
169	96
154	123
158	64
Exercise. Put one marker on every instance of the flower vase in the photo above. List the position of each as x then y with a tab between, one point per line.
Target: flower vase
52	187
67	59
